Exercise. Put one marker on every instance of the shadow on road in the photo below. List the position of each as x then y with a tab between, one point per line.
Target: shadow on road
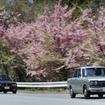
91	98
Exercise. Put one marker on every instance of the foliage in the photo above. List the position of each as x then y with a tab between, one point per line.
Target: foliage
51	37
92	50
5	55
56	40
7	59
29	10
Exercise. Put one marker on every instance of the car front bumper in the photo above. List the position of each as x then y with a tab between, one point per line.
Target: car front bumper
8	88
96	90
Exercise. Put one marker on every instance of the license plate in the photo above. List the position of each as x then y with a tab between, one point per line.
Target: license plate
6	87
104	89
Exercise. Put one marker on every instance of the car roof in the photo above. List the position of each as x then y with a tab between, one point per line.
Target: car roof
3	74
83	67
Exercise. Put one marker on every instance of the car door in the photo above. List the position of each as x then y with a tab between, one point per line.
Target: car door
80	81
77	81
74	81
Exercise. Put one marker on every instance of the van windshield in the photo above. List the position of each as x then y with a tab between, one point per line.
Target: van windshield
94	72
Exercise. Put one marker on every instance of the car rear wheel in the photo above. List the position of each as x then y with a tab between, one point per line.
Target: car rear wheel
72	94
86	93
100	95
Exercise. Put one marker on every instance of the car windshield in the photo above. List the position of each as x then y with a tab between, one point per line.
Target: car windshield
5	78
94	72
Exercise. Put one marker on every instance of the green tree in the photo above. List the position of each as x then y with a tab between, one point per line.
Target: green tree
29	10
5	57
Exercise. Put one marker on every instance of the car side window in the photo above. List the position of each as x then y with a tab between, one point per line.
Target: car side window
83	72
79	72
75	73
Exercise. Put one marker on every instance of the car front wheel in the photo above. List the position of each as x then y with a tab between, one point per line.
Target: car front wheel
14	91
100	95
86	93
5	91
72	94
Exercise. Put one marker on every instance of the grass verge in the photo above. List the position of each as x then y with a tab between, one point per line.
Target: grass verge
43	90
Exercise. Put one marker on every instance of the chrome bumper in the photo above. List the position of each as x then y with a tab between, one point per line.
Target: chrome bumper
101	89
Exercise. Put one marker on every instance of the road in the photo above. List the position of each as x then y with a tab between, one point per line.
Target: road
47	99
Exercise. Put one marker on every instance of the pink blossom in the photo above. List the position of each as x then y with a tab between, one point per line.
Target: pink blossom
77	41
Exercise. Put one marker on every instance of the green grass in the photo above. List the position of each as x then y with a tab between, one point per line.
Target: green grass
43	90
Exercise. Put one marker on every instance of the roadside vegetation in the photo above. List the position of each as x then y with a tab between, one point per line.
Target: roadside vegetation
42	40
43	90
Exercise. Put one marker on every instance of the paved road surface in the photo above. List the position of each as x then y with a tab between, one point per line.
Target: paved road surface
47	99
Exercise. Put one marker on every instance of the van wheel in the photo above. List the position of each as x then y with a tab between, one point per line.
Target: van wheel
86	93
72	94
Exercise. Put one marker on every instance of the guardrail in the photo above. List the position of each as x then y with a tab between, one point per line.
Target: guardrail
42	84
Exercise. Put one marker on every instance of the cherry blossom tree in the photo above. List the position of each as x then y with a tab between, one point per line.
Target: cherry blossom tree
27	42
57	37
92	51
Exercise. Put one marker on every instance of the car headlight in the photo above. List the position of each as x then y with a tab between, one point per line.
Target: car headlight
93	82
